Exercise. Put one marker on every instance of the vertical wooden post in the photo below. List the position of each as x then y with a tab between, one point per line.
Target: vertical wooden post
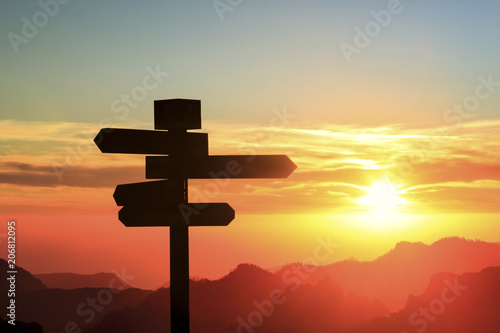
179	262
179	279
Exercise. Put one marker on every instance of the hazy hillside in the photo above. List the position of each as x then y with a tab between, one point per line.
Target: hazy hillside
54	308
24	280
468	303
19	327
340	297
223	305
406	269
70	281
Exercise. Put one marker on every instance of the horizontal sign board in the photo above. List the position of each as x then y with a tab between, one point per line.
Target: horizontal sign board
171	215
219	166
131	141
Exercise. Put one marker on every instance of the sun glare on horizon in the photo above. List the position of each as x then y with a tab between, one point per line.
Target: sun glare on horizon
382	197
382	207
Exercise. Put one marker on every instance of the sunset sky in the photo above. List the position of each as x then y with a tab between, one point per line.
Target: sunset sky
389	109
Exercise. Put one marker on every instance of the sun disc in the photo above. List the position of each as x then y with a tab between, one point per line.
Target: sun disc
382	196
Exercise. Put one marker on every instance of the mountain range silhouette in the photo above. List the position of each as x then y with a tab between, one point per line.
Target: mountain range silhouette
19	327
407	268
344	297
464	303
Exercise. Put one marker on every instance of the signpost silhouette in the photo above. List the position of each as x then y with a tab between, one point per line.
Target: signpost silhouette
165	202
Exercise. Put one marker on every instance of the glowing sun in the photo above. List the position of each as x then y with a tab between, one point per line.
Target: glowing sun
382	197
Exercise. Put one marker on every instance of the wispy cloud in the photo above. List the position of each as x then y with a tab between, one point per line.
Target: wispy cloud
23	174
335	162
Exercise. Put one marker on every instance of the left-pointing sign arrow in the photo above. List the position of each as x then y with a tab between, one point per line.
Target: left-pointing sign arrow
130	141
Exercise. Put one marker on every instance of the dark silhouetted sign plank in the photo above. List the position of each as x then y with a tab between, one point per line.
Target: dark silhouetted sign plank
130	141
178	114
205	167
171	215
155	193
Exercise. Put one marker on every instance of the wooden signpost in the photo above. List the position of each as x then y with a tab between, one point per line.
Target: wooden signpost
165	202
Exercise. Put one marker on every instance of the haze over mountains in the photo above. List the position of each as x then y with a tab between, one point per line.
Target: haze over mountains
245	297
57	309
348	296
406	269
460	304
70	281
24	280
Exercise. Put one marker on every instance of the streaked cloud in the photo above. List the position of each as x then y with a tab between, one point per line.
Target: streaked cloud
334	163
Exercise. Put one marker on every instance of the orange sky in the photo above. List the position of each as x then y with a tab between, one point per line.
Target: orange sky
396	141
447	178
54	168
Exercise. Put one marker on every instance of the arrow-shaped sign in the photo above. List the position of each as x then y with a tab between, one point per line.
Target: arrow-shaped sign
205	167
171	215
149	194
130	141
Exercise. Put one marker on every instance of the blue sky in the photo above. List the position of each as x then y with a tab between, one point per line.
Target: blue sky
263	55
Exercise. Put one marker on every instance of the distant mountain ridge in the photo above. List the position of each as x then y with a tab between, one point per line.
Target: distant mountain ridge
406	269
239	301
341	297
85	307
25	281
38	306
70	281
467	303
19	327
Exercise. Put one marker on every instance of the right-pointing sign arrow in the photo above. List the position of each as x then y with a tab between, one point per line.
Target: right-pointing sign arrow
149	194
169	215
205	167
